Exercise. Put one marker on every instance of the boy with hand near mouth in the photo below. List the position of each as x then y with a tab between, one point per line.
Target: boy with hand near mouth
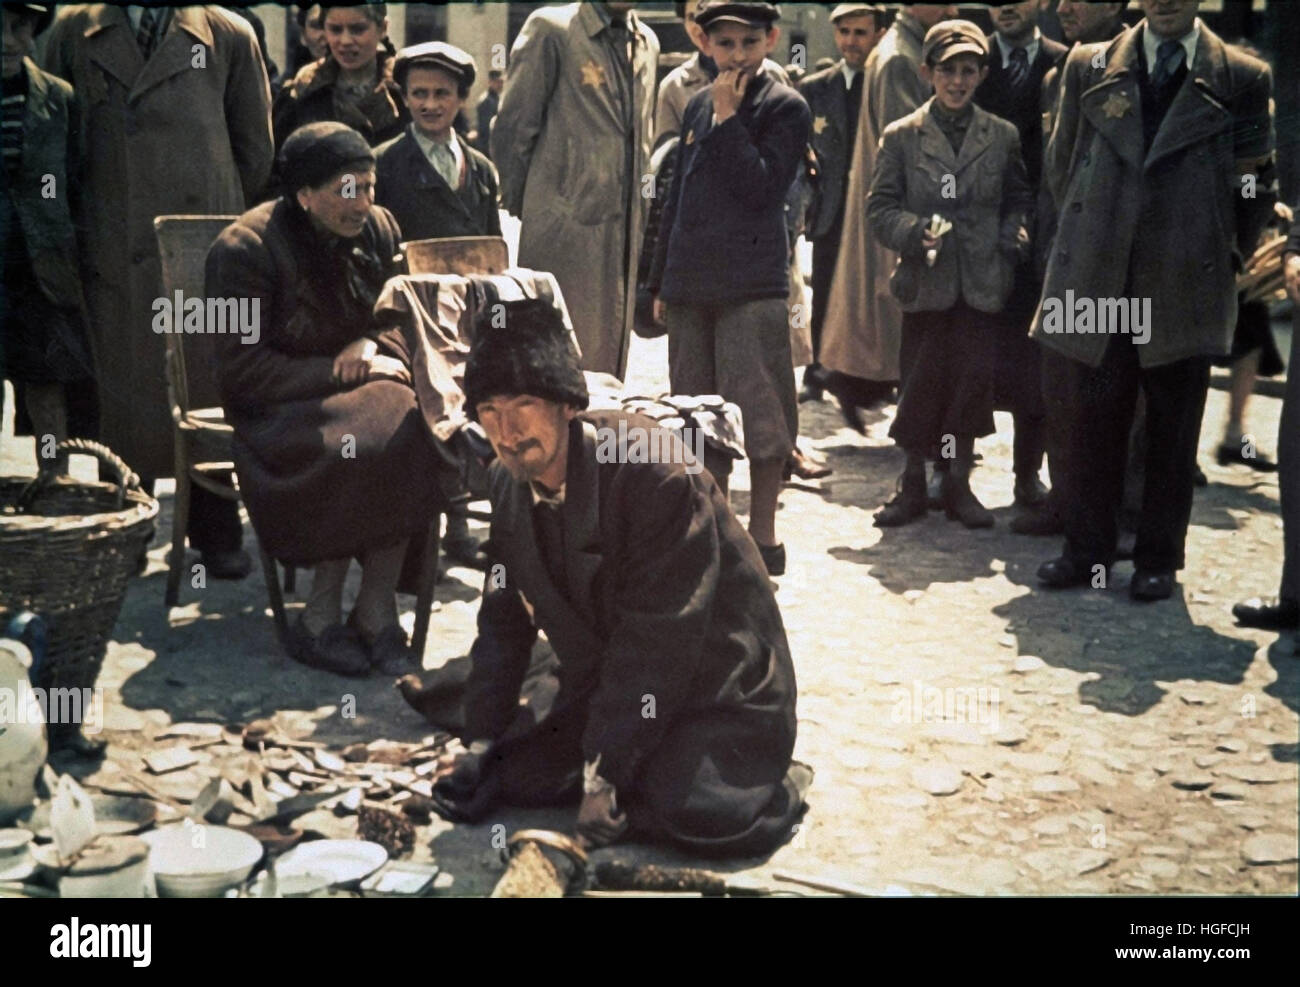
952	159
720	271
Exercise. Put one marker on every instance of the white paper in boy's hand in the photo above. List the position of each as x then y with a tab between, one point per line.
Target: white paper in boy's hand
937	228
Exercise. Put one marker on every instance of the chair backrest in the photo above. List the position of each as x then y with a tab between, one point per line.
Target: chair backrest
457	255
183	243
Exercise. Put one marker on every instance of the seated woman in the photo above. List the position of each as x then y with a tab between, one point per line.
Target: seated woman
334	460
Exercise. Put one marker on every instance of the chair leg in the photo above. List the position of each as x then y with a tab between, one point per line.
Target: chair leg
424	594
290	578
180	521
272	579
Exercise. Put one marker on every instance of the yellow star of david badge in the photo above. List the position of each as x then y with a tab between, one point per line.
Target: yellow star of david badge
593	75
1116	105
819	124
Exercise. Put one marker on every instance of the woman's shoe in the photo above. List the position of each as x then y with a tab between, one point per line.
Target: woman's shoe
388	651
336	649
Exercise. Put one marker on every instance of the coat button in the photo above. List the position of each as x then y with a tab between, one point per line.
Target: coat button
1076	207
139	257
1063	256
1086	159
1208	265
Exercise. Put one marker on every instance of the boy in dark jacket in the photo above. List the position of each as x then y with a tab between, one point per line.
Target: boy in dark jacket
432	181
720	272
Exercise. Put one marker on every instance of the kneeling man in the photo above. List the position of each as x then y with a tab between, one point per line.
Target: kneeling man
675	714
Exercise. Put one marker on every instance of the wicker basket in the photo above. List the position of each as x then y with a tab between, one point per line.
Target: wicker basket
67	551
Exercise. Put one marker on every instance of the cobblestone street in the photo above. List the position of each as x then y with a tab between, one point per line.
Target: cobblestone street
970	733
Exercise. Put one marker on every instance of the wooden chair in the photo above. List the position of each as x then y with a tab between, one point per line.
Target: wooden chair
457	255
452	255
202	438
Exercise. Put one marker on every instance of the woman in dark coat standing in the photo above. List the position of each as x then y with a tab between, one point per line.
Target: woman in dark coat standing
334	459
352	84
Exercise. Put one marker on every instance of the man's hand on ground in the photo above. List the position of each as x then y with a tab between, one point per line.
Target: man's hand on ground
598	822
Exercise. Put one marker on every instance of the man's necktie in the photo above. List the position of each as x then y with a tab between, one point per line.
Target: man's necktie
1169	56
444	162
146	34
1018	68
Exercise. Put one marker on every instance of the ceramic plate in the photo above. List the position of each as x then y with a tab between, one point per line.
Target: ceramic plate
335	861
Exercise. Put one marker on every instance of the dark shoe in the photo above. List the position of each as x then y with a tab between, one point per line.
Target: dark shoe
908	504
1064	573
388	650
390	654
1044	521
227	565
67	738
336	649
1235	455
810	391
466	551
1030	492
773	558
960	504
1198	478
1151	584
1269	613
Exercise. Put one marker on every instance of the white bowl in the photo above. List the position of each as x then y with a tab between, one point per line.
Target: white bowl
200	861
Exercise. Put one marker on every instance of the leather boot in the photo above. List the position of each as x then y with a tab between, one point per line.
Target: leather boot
959	503
909	503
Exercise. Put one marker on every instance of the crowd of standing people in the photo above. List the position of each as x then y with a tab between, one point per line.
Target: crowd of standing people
963	193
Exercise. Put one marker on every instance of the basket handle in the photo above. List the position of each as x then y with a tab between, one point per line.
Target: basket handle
126	479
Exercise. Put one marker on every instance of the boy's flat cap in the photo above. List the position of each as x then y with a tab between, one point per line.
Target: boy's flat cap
849	9
949	38
714	11
456	62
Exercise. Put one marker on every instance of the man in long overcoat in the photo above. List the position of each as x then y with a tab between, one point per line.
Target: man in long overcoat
183	128
675	712
863	322
572	140
1161	166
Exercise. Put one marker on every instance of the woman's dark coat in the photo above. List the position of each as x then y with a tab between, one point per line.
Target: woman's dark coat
325	473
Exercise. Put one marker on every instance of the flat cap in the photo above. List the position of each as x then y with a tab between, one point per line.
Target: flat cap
949	38
850	9
713	11
456	62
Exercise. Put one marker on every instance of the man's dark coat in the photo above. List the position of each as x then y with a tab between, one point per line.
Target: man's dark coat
828	101
1022	107
669	640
